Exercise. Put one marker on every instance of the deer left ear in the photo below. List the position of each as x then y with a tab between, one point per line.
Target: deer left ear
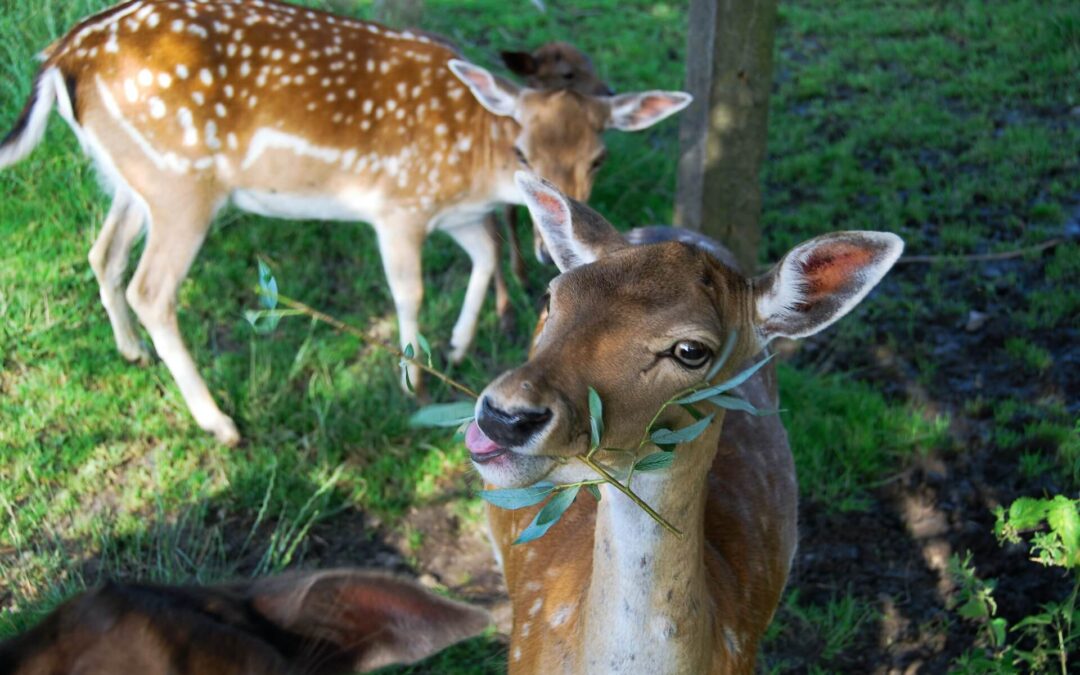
634	112
821	280
573	233
519	63
375	619
498	96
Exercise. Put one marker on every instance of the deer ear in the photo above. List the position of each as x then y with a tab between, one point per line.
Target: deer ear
519	63
634	112
375	619
821	280
498	96
573	233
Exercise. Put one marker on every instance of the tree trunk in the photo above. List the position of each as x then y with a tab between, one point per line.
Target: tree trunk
722	135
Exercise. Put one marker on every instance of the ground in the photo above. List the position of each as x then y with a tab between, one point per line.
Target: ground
954	388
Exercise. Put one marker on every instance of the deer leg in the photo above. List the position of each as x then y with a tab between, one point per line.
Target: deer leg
517	261
108	258
502	293
400	247
176	233
478	243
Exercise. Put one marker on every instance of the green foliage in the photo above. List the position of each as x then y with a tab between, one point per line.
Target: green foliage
1059	544
444	415
549	515
1041	642
516	498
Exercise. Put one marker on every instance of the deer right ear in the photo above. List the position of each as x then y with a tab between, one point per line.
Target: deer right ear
519	63
574	234
375	620
498	96
821	280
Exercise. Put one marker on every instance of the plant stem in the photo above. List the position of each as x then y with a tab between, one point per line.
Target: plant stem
342	326
608	478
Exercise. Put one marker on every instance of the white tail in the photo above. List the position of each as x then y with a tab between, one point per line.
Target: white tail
607	589
295	113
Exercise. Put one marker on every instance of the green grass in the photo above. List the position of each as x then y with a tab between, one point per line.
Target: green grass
945	122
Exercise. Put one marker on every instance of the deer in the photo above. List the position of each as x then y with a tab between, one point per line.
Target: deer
294	113
550	67
329	622
607	589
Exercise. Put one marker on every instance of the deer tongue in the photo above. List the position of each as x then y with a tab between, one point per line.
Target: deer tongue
478	443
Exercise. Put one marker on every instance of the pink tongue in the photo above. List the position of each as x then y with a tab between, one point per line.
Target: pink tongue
477	442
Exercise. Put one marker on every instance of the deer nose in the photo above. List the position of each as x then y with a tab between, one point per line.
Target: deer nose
511	428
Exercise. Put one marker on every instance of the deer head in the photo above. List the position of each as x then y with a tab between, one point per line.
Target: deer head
338	621
560	134
640	324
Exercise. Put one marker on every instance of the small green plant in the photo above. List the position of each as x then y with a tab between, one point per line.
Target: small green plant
1043	641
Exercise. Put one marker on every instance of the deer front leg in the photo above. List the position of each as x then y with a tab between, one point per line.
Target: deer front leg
176	232
399	246
478	243
109	258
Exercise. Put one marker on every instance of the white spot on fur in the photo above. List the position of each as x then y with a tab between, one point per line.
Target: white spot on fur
146	78
131	91
206	76
535	608
157	108
182	72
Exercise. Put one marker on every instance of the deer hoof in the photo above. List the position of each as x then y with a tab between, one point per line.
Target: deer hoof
225	432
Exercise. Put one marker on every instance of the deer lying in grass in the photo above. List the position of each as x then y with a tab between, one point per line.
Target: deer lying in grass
326	622
551	67
294	113
607	590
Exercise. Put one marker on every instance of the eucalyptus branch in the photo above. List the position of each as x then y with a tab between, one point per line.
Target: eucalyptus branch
630	494
322	317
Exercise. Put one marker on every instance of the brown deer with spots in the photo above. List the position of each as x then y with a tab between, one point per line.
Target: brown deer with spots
186	106
329	623
607	590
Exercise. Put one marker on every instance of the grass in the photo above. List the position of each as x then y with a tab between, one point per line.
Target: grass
947	122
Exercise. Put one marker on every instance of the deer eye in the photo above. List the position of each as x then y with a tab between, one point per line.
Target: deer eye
691	354
521	156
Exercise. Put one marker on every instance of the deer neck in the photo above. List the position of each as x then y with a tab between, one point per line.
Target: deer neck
647	607
500	134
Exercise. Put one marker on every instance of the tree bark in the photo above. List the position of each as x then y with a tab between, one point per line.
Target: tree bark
729	60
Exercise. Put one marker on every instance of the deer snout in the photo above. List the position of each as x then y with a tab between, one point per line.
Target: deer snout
511	428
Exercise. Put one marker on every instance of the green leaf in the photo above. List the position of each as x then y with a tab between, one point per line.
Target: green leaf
725	354
1064	520
409	351
425	348
268	287
684	435
517	498
263	321
594	490
740	404
548	516
596	418
655	462
997	629
443	414
726	385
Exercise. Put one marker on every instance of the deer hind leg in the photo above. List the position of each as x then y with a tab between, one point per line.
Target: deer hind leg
478	243
502	293
177	230
399	246
517	261
109	258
